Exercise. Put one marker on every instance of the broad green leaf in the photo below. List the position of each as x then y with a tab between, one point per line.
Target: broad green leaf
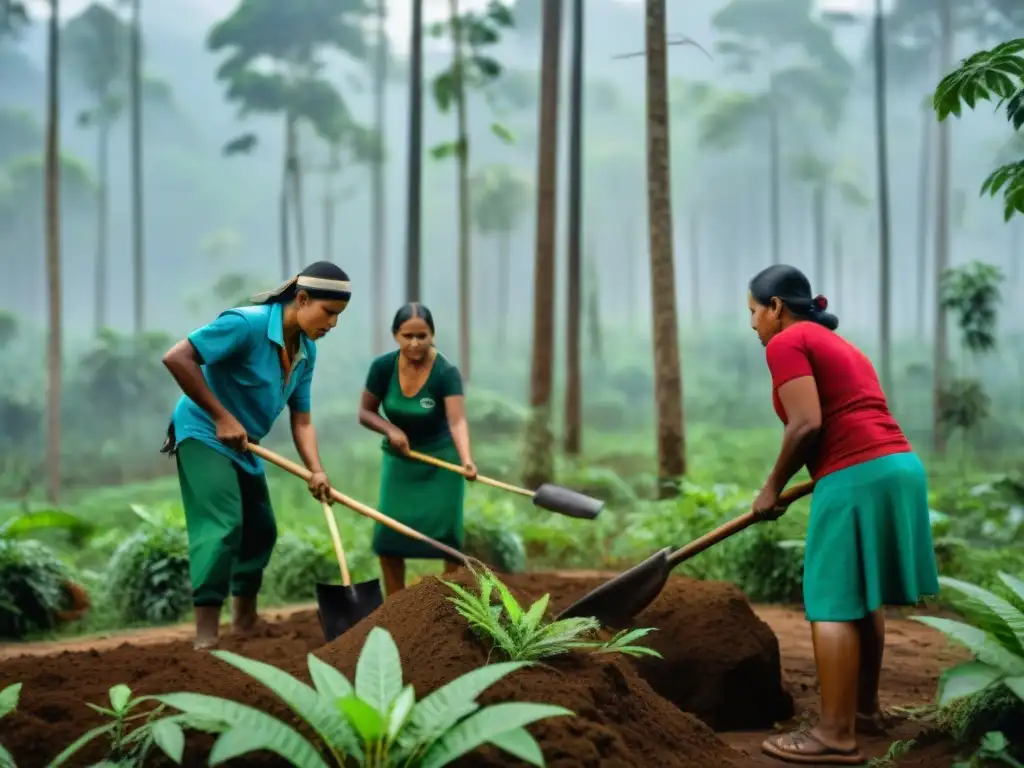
482	726
1014	584
366	720
994	742
985	647
379	670
329	682
262	731
9	699
1015	684
6	759
444	707
1012	618
120	695
302	699
519	743
168	735
965	680
400	711
80	742
32	523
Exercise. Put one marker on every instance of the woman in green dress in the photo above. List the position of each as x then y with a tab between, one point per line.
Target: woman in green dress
422	398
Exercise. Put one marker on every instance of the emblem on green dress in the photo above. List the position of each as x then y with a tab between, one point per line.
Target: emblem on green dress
427	403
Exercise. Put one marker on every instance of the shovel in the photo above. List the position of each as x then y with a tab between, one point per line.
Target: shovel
553	498
362	509
617	601
340	608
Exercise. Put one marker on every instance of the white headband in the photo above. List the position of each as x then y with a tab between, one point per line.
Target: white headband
305	281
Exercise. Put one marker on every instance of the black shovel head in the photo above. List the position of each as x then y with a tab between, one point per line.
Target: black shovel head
616	602
555	498
341	608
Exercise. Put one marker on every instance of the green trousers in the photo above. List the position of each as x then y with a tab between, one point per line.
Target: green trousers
230	523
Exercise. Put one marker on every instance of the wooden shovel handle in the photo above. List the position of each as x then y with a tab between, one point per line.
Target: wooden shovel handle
736	525
332	525
427	459
357	506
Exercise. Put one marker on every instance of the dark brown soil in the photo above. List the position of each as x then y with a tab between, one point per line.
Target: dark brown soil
721	661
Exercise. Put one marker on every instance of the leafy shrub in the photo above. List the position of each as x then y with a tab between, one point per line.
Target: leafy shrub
493	416
495	543
377	722
601	483
524	635
148	578
302	558
31	588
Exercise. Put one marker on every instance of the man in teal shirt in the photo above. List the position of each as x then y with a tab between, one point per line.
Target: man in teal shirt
238	373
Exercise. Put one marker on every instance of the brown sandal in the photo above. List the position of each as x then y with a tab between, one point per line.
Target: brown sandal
806	748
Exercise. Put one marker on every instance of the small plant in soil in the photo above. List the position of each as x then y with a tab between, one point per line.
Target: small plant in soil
375	723
8	703
524	635
133	731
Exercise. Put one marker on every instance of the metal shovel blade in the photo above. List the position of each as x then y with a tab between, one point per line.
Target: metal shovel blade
341	608
616	602
555	498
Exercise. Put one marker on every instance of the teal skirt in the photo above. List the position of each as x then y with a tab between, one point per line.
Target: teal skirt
869	540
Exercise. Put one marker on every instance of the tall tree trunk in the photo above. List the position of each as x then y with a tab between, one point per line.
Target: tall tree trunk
415	173
573	429
504	285
632	313
378	213
668	383
295	171
819	224
942	183
284	238
837	263
540	461
462	164
924	197
138	215
102	216
54	353
695	302
884	226
328	225
775	177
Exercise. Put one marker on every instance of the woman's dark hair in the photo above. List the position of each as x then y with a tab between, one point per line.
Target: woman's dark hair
791	286
409	311
324	270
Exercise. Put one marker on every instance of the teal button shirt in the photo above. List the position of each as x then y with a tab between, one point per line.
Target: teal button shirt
241	362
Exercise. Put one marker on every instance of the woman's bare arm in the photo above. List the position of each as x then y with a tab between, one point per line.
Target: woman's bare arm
369	414
183	361
455	409
799	399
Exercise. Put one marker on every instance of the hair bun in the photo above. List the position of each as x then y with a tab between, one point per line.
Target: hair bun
820	303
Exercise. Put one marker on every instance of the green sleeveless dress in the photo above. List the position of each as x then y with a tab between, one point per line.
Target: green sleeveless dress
425	498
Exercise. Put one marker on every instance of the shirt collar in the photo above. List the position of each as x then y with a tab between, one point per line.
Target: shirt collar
275	332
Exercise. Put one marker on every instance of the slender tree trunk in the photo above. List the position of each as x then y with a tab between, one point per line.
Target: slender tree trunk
775	178
572	436
138	215
328	225
540	461
295	171
632	314
462	164
415	171
668	383
942	182
54	353
102	217
504	284
819	224
378	269
837	263
924	198
284	242
884	227
695	302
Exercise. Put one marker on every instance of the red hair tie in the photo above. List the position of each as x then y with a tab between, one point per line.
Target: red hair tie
820	303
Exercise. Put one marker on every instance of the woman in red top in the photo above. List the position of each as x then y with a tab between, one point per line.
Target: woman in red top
869	540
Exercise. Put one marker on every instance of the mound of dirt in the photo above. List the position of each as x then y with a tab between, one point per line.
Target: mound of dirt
720	661
620	721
